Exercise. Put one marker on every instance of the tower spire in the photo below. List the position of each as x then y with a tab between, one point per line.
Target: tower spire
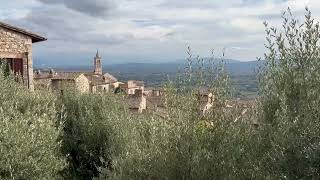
97	54
97	64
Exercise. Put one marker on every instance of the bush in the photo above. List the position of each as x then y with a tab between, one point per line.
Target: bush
184	144
290	85
28	135
100	139
89	139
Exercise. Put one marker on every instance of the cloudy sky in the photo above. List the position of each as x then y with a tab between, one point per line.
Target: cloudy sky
147	30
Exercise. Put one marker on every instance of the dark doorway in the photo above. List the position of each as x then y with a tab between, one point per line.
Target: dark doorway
16	66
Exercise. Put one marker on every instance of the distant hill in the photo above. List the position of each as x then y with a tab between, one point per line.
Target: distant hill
233	67
156	74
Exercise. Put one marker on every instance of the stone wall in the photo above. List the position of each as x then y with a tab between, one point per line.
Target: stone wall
103	88
12	42
143	104
58	85
42	84
82	84
17	45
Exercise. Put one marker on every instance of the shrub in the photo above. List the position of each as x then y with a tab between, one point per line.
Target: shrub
28	135
89	139
184	144
290	84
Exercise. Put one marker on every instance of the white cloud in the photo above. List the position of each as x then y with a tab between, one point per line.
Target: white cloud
248	24
147	29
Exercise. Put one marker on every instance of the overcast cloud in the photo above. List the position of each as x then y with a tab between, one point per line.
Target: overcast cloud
147	30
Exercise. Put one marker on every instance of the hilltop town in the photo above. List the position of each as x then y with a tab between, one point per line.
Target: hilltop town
105	123
16	49
139	97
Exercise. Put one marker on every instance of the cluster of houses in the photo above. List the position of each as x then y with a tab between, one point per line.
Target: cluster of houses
16	50
98	82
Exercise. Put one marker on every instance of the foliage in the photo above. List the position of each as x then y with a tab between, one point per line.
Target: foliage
88	133
28	136
186	144
290	84
101	139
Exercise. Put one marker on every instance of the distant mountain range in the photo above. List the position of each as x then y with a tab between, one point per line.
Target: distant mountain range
233	67
156	74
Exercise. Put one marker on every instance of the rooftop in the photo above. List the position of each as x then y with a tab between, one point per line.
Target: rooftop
35	37
66	76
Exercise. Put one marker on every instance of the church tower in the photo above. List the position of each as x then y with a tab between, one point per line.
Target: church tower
97	64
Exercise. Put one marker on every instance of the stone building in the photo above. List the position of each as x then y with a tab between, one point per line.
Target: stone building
97	81
134	85
137	101
65	81
16	50
101	83
154	98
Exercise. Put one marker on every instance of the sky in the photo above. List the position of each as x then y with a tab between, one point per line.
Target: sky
147	30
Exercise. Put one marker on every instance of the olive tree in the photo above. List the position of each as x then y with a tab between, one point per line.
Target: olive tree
290	99
181	142
89	137
29	145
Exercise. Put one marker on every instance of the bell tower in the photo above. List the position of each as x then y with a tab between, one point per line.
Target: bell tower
97	64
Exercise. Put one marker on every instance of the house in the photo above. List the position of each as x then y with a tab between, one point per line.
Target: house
16	50
59	81
137	102
155	92
64	81
154	98
134	85
97	81
118	84
101	83
131	86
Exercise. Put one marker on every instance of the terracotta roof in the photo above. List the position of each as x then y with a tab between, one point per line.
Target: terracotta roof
66	76
110	77
95	79
135	83
41	75
98	79
35	37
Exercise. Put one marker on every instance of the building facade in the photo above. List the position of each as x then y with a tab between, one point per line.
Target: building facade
16	50
94	81
67	81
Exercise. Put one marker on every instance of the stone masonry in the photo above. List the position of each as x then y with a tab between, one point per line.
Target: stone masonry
16	43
